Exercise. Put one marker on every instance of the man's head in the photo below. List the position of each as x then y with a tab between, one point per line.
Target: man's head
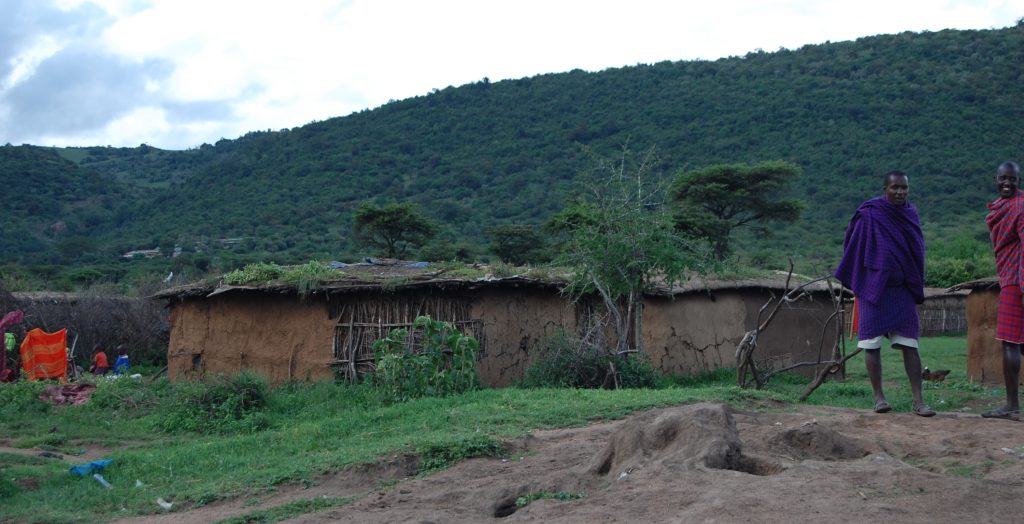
1007	179
896	187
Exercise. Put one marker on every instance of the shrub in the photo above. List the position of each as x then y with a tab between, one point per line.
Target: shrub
444	365
129	397
259	272
442	455
22	398
567	361
222	405
308	276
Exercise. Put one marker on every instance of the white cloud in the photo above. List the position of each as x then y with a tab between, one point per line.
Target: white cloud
269	64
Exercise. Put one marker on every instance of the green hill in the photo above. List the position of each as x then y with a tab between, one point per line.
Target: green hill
944	107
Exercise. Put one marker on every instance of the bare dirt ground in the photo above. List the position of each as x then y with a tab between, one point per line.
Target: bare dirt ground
699	463
705	463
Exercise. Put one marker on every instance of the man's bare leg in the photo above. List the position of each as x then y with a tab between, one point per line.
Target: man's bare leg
1011	374
873	362
912	364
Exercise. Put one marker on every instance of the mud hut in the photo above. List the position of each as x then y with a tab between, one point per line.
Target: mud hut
329	331
984	352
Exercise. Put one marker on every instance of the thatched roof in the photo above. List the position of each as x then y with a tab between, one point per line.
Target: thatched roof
981	283
391	278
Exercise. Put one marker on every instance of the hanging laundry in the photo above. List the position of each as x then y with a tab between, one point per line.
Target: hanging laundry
44	355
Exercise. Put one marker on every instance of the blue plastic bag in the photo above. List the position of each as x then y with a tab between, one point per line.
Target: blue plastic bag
85	469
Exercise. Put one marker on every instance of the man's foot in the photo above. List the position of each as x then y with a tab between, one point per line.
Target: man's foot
882	406
922	410
1003	413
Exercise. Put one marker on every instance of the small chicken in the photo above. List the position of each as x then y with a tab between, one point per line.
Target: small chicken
934	376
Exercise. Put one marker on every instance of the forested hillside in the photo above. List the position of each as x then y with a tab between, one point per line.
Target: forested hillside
943	107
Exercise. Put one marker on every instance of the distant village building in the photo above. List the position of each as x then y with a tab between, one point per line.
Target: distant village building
272	329
147	253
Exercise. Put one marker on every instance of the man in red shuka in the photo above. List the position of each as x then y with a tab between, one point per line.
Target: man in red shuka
1006	226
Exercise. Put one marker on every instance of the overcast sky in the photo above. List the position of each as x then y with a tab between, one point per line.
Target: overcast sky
177	73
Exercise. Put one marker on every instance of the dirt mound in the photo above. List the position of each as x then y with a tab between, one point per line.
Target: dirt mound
811	440
699	435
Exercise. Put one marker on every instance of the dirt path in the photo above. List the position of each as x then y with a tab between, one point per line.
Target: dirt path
703	463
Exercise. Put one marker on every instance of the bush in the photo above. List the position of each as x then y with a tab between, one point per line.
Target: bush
129	397
566	361
21	398
444	365
223	405
258	273
440	456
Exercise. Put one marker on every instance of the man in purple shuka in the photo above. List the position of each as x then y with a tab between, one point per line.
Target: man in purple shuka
883	263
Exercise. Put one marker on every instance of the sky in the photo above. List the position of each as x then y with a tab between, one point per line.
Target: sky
175	74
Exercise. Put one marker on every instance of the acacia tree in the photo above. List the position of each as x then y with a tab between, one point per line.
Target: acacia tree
518	244
622	242
392	229
713	201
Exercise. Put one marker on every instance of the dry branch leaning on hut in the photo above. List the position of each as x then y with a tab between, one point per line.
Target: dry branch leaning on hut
747	372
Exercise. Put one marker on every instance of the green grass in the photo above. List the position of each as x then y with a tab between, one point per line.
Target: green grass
310	429
855	392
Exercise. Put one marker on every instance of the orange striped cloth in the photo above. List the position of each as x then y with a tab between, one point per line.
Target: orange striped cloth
44	355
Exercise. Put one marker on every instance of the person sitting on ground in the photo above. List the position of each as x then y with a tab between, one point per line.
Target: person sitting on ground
1006	227
100	366
883	263
121	365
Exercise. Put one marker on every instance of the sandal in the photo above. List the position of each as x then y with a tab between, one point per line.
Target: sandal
1003	413
882	407
922	410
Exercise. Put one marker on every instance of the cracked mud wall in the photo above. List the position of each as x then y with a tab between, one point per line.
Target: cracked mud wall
984	352
693	333
516	322
270	334
698	332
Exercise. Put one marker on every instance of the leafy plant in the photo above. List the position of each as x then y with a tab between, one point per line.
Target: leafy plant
308	276
223	404
442	363
625	241
438	456
568	361
259	272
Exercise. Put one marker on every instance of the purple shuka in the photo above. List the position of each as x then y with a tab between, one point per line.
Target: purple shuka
883	263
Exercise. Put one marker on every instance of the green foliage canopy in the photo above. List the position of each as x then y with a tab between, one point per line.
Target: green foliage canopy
392	229
713	201
627	242
518	244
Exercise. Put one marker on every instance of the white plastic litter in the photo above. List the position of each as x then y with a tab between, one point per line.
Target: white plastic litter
164	504
103	482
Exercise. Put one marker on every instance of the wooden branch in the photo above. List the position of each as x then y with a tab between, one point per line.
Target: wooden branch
824	373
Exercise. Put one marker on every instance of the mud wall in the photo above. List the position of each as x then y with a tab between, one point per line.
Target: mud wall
516	323
279	336
984	352
693	333
699	332
283	337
